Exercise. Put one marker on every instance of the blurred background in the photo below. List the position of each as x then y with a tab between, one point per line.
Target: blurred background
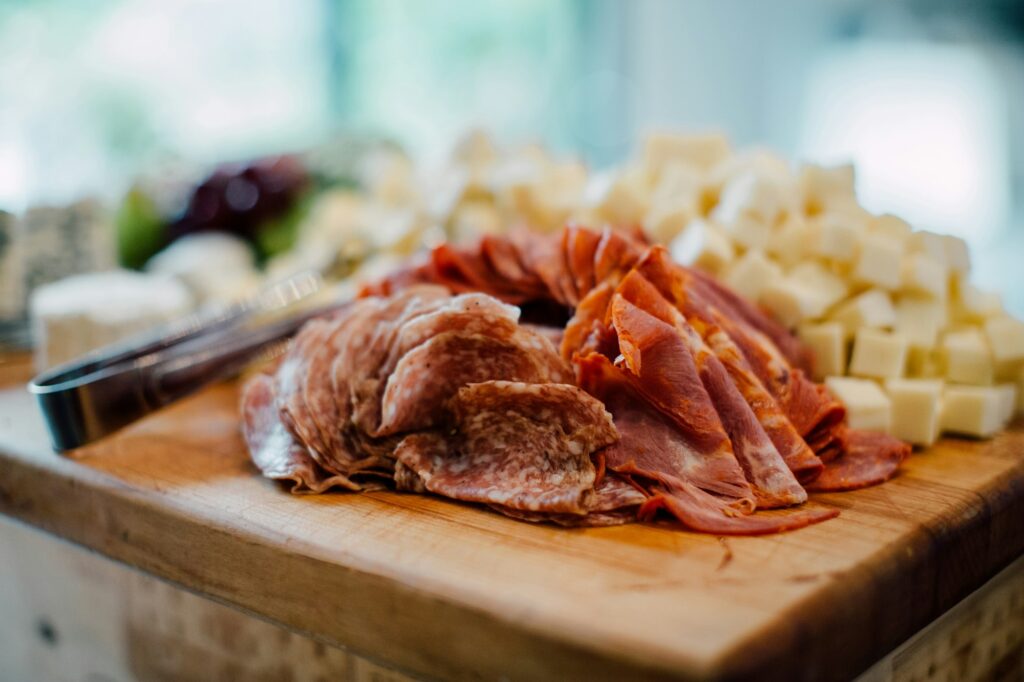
925	97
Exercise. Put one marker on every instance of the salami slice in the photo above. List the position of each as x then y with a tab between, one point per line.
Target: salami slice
273	449
521	446
868	458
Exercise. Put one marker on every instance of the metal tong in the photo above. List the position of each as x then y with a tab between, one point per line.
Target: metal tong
114	386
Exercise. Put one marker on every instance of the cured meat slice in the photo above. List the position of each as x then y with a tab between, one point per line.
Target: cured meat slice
679	479
503	258
763	466
615	255
292	374
581	245
273	449
428	375
546	258
588	331
520	446
868	458
814	414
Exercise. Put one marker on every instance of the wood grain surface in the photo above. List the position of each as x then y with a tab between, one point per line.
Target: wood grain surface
447	590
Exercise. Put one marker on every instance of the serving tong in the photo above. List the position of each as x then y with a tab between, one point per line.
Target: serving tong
111	387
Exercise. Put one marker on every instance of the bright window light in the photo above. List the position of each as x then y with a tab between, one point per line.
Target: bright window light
925	126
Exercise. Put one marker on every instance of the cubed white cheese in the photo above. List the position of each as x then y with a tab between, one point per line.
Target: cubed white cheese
619	197
703	246
896	229
930	244
665	219
920	319
827	285
827	343
921	274
879	261
968	358
750	194
867	406
751	273
789	243
1005	338
749	232
871	309
975	305
958	258
916	409
878	354
972	410
791	303
702	150
823	186
838	237
1007	401
925	363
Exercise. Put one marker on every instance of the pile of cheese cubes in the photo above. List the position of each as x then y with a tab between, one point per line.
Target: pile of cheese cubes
898	331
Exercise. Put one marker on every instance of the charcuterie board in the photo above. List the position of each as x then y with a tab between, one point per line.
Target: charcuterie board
442	589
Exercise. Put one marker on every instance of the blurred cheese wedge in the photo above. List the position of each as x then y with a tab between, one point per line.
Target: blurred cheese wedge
871	309
827	342
81	313
916	409
878	354
751	273
867	405
967	357
879	261
973	410
703	245
217	267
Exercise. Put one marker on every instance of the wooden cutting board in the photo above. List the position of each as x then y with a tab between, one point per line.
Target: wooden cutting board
442	589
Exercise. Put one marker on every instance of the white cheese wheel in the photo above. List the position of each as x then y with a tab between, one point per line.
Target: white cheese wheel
215	266
81	313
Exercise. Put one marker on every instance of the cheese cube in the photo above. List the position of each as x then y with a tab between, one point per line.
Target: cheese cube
972	410
976	305
871	309
958	258
921	274
823	186
749	232
878	354
1005	338
750	194
967	356
619	197
930	244
703	246
790	303
867	406
838	237
920	320
701	151
895	229
1007	401
916	409
879	262
665	219
749	275
827	343
789	243
828	286
925	363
